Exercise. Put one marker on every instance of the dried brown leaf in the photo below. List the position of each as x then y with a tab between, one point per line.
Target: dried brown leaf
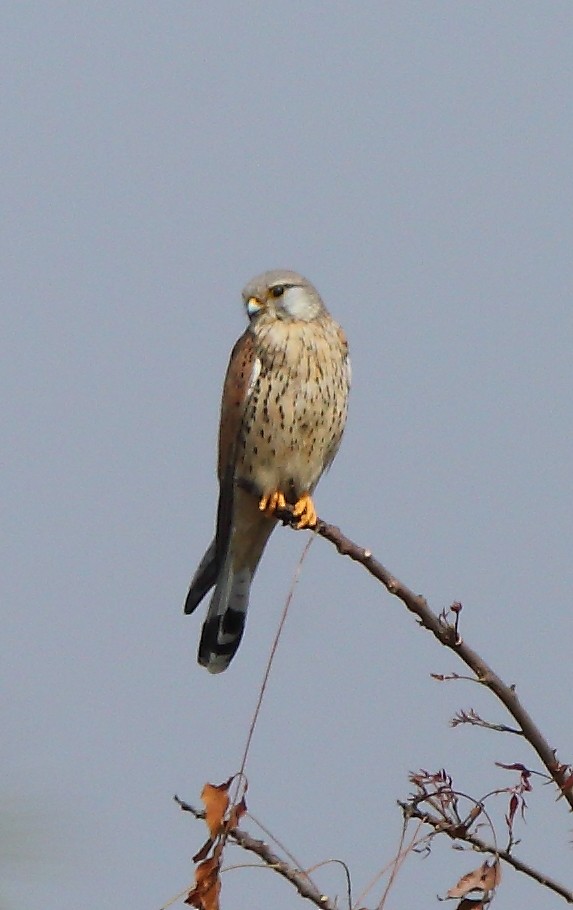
474	814
484	878
205	894
491	876
237	813
512	809
514	766
216	801
203	853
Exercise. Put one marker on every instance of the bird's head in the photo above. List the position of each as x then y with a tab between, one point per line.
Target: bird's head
281	294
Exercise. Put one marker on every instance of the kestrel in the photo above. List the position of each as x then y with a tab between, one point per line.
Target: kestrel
283	413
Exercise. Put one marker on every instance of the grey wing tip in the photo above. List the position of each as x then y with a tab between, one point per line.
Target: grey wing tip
193	599
203	580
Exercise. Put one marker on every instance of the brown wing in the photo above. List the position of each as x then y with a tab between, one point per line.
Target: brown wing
236	389
241	377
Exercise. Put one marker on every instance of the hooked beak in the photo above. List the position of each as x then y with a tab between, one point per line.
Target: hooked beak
253	306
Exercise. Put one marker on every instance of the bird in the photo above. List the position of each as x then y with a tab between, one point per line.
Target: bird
283	412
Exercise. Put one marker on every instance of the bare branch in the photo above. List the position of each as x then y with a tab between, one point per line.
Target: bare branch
296	877
448	635
455	833
447	632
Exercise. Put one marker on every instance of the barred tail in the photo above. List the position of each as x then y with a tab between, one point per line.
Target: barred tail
225	622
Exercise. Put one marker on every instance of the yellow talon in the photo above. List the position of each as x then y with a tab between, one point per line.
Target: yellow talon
305	512
272	503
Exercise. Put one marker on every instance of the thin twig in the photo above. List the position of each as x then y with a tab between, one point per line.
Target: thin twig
296	877
448	636
472	718
294	861
454	832
274	647
398	862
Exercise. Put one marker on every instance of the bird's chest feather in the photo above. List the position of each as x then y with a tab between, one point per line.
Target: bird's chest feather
296	410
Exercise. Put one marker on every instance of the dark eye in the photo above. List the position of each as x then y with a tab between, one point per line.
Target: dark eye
278	290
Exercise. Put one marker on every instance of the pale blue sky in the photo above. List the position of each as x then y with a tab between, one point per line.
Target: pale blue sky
414	161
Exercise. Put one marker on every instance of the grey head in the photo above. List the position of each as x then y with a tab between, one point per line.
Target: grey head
283	294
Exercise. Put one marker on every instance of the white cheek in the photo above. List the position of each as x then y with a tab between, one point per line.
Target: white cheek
295	303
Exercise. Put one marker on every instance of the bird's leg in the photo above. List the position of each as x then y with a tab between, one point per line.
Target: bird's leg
270	503
304	510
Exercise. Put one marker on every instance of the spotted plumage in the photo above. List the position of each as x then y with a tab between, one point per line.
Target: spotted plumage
283	413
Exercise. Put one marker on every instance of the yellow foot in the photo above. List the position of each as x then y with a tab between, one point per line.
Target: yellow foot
305	512
272	503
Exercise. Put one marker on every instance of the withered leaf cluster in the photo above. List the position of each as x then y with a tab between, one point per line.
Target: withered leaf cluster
221	817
